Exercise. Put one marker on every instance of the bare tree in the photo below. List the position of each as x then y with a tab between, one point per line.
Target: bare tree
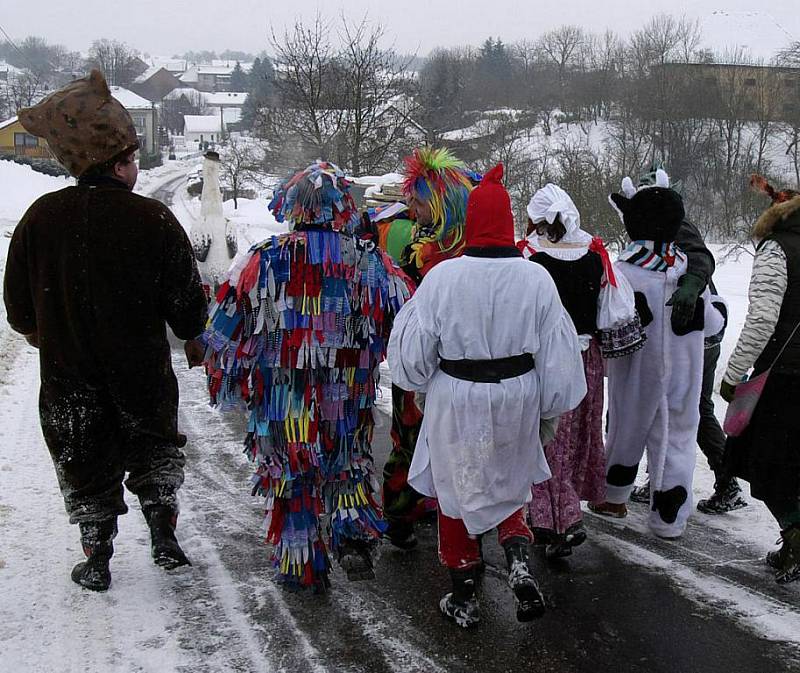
26	88
116	60
376	114
308	118
175	107
240	164
562	47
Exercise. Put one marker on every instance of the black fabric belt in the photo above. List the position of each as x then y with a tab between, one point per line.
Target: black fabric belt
488	371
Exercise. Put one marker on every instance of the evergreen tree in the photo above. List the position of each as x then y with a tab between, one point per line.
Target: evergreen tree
239	79
261	89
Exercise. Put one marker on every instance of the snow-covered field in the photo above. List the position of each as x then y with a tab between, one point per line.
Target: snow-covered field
199	618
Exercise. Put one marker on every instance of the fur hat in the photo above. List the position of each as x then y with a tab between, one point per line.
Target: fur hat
490	222
82	123
650	213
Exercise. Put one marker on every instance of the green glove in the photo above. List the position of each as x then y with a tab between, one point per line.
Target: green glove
727	391
684	300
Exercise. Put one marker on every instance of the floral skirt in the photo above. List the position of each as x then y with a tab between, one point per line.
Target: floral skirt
576	457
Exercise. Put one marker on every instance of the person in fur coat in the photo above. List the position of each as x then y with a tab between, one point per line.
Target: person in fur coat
766	453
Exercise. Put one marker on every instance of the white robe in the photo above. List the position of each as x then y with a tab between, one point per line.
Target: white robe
478	450
654	400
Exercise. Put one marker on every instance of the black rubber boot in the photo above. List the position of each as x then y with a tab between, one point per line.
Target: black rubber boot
789	570
355	557
461	605
167	553
528	596
401	535
98	546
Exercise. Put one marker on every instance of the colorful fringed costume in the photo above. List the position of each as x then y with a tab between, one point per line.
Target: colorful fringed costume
297	333
441	182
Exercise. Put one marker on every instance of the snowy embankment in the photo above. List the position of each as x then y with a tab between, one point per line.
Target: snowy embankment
19	187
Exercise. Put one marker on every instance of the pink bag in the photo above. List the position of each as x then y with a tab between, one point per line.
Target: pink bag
740	409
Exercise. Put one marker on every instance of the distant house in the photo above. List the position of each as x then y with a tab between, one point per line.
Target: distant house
144	115
155	83
16	141
226	104
201	129
211	78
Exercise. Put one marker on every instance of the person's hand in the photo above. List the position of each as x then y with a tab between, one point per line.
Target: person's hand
684	300
33	339
195	352
727	391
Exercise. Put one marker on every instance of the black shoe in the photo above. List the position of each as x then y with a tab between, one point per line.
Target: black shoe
789	570
641	493
727	497
401	535
561	545
775	558
461	605
167	553
97	541
355	557
527	595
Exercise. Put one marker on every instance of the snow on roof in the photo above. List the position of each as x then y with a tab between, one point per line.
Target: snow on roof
190	76
221	98
8	122
757	34
215	69
172	65
187	91
147	74
220	63
130	100
202	124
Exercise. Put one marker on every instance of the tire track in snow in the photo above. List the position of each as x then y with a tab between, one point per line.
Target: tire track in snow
369	616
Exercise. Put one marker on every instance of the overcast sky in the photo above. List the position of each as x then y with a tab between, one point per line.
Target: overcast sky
167	27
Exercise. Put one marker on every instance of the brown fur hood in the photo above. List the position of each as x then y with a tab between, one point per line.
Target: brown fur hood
774	216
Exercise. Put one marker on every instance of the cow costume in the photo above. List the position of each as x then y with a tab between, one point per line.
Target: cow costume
654	392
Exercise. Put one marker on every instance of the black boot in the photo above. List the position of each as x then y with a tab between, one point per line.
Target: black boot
641	493
789	569
461	605
727	497
561	545
355	557
97	541
166	551
401	535
528	596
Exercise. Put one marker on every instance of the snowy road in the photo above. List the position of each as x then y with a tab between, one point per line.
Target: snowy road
626	602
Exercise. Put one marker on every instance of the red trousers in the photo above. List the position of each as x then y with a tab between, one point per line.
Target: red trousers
458	550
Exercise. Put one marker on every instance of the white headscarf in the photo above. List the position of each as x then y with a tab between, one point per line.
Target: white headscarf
551	201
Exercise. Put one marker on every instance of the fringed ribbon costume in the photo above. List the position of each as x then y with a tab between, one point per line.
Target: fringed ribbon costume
297	334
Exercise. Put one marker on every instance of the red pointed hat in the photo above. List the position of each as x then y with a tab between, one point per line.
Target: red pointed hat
490	222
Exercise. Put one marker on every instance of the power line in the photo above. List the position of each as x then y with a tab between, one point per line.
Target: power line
31	64
11	42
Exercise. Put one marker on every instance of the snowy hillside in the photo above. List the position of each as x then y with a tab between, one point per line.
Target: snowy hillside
21	186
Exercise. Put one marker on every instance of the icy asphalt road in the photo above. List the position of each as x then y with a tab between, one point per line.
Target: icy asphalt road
625	602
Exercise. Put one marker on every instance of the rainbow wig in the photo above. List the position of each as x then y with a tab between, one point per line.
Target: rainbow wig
318	196
437	177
